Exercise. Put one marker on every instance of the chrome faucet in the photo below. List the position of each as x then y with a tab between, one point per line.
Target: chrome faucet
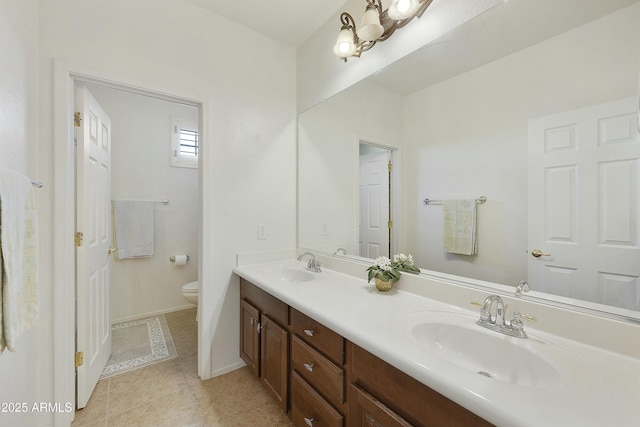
343	250
522	287
485	310
312	265
514	329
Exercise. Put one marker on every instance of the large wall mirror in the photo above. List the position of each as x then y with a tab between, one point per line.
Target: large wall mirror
534	105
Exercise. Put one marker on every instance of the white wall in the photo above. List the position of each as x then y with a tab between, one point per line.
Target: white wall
26	375
249	85
321	74
467	137
328	140
141	140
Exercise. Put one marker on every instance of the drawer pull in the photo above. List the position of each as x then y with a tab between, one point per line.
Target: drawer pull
308	367
308	332
308	421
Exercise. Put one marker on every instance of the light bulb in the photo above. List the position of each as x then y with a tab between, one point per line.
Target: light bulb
402	9
344	44
403	5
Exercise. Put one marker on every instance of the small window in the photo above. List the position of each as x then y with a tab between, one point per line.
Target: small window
186	143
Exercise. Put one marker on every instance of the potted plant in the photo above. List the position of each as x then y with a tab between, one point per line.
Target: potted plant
404	263
385	273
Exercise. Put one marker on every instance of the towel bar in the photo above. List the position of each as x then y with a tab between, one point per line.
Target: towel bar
480	200
164	202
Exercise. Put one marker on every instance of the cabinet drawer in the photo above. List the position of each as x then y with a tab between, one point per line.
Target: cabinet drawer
371	412
320	337
317	370
277	310
309	409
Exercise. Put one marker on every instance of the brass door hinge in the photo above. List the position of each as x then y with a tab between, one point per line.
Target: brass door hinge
77	239
79	358
390	166
76	119
390	225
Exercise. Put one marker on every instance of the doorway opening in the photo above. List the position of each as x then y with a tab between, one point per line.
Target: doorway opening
146	177
66	77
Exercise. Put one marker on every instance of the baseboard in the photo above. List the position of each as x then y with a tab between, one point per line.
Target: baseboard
153	313
228	368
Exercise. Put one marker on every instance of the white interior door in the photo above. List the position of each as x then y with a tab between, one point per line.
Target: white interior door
93	219
374	205
584	209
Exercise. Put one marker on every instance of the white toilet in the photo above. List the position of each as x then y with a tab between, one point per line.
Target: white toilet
190	292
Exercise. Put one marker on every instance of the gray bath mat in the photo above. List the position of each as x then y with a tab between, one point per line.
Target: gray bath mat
139	343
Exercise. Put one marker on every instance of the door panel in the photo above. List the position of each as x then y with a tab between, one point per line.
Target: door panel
93	219
374	205
274	359
584	204
250	339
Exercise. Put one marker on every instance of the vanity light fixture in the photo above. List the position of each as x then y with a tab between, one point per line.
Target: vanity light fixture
377	25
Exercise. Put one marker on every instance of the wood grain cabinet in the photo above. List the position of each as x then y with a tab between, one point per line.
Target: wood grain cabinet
317	374
380	392
322	380
264	340
370	412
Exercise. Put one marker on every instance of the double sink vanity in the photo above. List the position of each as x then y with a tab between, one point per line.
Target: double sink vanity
333	351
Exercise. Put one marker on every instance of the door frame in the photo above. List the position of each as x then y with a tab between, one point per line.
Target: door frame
65	77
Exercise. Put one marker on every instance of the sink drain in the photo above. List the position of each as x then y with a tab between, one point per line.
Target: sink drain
486	374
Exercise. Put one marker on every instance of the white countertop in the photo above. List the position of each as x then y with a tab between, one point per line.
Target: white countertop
596	387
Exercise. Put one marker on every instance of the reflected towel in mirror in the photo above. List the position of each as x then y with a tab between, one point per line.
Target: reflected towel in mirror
460	226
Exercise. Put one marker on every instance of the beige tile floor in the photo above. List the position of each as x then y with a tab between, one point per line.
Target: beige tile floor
171	394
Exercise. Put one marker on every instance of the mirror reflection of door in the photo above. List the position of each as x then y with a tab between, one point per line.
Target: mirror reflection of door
375	201
583	204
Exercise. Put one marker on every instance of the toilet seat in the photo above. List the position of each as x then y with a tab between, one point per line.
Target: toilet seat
191	294
190	288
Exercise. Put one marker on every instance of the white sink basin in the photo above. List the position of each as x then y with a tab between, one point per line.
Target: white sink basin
295	275
291	273
492	355
459	343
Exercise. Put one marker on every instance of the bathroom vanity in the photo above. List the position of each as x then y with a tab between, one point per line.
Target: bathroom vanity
333	351
321	379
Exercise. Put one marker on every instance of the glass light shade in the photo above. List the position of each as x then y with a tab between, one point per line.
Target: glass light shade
402	9
370	28
344	46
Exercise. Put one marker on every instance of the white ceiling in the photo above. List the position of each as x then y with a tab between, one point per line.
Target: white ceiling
505	29
291	22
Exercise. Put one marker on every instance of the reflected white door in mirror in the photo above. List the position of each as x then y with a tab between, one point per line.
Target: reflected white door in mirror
583	204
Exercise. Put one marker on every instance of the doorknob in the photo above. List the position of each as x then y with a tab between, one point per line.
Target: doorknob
538	253
111	250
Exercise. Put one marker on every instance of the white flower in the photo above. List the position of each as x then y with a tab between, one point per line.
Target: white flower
383	263
403	259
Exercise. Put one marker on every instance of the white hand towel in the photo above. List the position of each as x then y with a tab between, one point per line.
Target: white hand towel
134	228
460	226
19	310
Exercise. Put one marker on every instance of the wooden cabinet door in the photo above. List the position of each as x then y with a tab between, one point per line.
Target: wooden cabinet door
274	364
249	336
367	411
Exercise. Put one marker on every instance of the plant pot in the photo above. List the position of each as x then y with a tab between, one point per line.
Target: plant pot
383	286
